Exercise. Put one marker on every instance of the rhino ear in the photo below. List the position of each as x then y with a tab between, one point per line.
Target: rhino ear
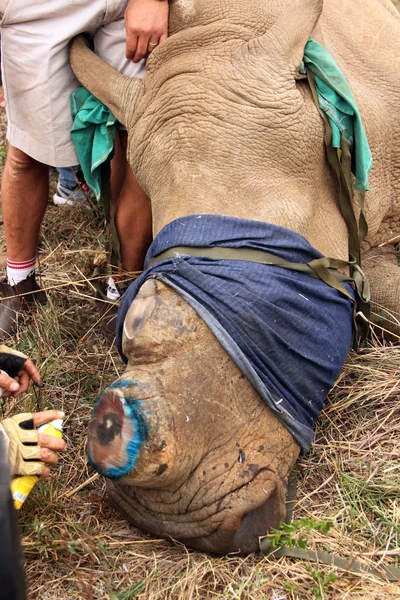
118	92
286	39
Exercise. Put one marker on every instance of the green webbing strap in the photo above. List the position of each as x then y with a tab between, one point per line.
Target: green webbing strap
109	213
340	161
322	268
112	246
319	556
291	495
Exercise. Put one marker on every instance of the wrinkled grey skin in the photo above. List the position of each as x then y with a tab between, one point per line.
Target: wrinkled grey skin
222	123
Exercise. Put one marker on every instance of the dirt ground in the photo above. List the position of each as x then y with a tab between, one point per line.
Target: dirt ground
77	546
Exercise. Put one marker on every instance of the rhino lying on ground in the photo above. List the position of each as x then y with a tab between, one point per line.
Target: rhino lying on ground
197	439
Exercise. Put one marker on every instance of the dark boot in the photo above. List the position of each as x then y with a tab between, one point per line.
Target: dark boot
16	299
108	319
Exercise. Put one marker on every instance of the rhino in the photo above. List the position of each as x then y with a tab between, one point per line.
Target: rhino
223	130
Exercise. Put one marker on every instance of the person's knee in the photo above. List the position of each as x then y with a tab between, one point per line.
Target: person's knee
19	164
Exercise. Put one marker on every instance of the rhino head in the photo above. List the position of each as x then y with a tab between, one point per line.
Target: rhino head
189	448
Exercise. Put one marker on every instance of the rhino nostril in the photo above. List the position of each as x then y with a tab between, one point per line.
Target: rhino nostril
108	428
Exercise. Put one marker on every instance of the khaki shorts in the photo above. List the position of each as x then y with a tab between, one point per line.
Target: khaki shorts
37	78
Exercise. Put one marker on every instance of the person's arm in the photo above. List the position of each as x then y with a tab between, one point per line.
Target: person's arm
146	23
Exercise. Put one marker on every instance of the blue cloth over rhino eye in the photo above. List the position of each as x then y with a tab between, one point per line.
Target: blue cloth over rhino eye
289	333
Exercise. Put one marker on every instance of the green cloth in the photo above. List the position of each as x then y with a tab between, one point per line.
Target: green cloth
93	133
337	101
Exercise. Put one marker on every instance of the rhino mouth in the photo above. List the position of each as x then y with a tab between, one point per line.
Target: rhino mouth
231	521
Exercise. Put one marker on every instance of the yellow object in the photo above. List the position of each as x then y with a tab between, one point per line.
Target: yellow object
21	487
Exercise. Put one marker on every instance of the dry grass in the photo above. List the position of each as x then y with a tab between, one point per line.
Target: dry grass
77	547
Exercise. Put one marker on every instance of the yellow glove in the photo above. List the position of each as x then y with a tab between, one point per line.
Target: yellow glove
21	438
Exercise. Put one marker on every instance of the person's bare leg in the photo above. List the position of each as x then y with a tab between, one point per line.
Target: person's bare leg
25	190
118	167
133	219
24	193
131	212
133	223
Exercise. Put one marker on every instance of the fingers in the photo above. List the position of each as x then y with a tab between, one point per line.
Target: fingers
145	21
28	450
23	379
152	44
2	100
52	443
16	372
131	45
49	456
49	446
40	418
32	372
142	48
8	384
45	473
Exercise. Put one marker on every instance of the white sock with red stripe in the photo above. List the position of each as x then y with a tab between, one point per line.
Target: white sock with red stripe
18	271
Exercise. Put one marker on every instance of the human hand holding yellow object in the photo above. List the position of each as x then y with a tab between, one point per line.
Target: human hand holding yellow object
29	449
22	486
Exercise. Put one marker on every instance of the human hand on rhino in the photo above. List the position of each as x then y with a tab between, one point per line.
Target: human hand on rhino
146	23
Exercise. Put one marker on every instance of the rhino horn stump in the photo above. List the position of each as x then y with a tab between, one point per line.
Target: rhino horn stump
130	433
